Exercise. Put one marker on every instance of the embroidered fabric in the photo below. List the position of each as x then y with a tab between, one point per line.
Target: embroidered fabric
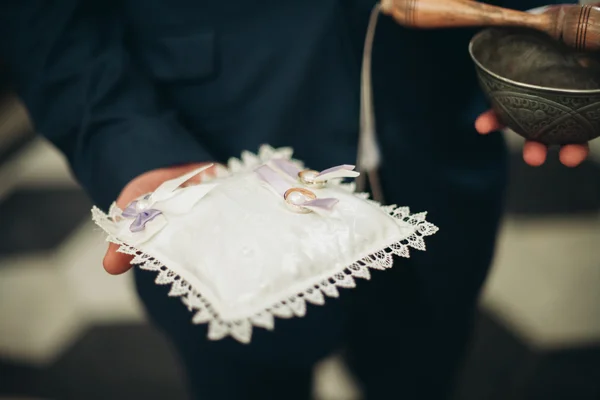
239	249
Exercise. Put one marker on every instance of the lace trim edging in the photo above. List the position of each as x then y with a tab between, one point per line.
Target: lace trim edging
295	306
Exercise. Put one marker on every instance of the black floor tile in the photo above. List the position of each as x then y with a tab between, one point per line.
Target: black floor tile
553	189
119	362
499	366
493	358
135	362
20	379
14	140
567	374
40	219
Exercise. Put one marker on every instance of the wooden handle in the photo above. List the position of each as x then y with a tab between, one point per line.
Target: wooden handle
577	26
434	14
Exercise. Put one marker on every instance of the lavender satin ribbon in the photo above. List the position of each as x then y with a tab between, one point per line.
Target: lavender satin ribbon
340	171
281	186
288	167
141	217
324	204
269	176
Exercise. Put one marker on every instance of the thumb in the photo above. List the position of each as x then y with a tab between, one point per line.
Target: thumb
116	263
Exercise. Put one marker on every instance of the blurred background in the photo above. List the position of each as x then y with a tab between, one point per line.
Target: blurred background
65	323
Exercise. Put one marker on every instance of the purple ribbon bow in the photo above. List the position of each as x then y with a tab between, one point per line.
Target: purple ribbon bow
141	210
142	215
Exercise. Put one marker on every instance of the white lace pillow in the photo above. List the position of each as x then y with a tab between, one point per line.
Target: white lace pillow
260	239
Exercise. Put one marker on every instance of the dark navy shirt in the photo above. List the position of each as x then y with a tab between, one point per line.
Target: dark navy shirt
122	87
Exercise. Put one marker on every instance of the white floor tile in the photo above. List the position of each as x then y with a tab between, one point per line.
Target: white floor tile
101	297
546	280
38	313
46	300
38	164
334	382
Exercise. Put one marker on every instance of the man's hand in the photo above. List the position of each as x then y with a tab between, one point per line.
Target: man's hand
118	263
534	153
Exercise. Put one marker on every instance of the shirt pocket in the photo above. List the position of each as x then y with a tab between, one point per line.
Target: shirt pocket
190	57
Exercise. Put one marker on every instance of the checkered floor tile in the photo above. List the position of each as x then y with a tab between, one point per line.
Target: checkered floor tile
70	331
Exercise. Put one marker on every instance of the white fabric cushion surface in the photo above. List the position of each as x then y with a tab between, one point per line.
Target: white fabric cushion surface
238	255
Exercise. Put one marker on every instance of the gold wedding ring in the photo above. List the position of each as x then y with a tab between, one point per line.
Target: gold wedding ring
296	197
309	178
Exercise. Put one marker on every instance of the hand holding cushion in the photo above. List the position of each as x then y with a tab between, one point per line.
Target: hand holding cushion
259	241
116	263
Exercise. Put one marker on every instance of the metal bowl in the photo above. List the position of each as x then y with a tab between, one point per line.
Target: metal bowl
539	88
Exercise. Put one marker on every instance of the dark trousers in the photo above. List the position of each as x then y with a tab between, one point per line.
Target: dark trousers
403	333
396	343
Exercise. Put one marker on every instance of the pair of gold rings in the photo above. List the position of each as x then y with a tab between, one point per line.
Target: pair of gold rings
295	198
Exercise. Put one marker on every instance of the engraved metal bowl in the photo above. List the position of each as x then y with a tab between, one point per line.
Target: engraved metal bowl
538	89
